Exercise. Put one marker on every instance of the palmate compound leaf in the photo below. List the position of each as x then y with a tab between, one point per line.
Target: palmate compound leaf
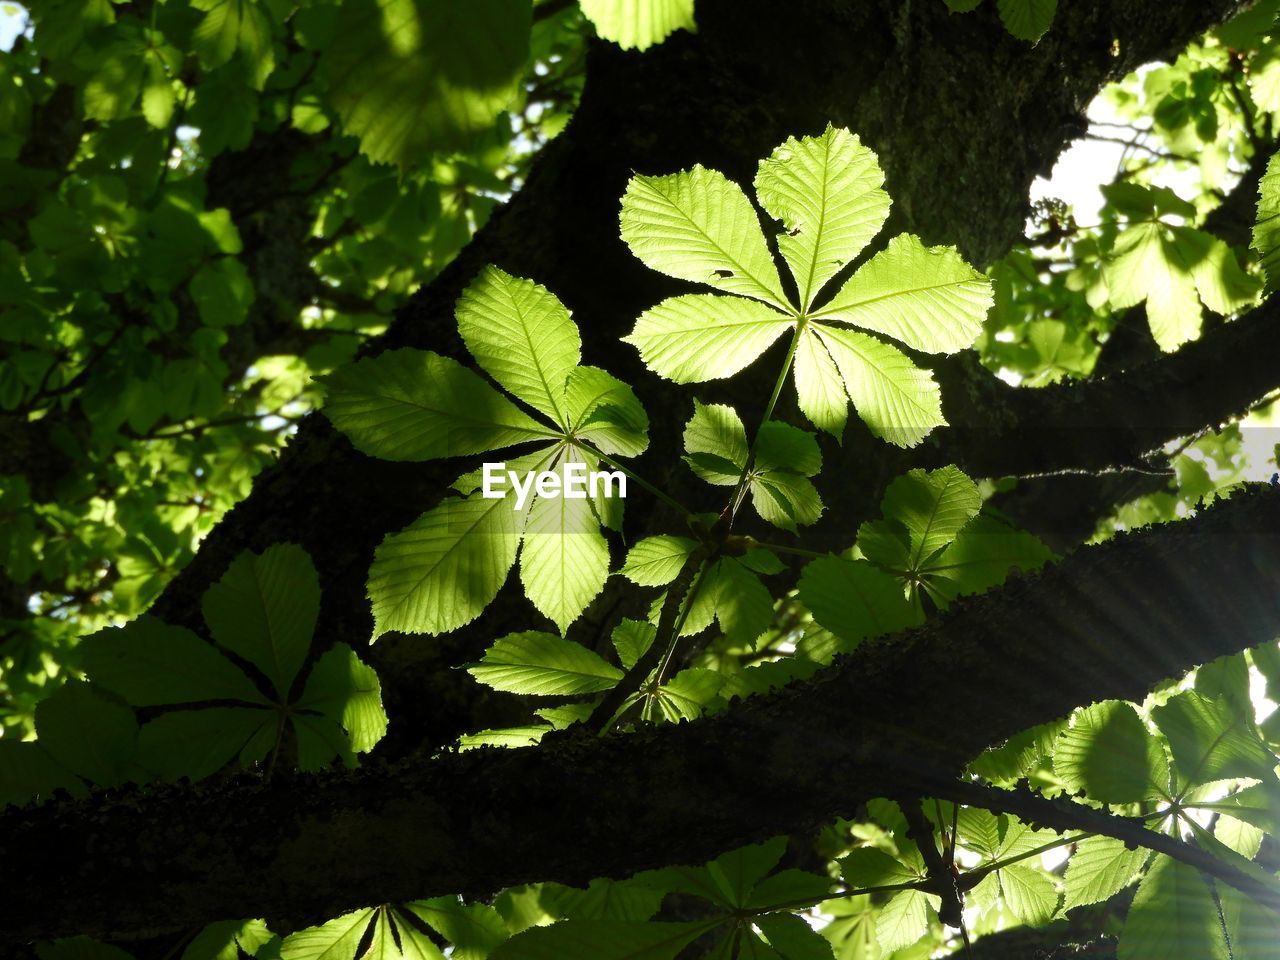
716	444
638	24
827	192
698	226
264	609
933	506
1174	268
413	77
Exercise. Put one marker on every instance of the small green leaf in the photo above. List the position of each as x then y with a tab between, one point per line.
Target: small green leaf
1029	894
347	691
545	665
416	405
149	662
1027	19
655	561
827	192
1146	264
869	867
604	412
926	297
716	442
231	26
264	609
902	921
638	24
702	336
1099	869
522	336
698	225
933	506
1266	231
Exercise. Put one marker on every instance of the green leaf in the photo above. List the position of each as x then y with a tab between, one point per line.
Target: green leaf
1266	231
347	691
604	412
631	638
741	603
149	662
1029	894
897	400
222	291
716	442
602	940
413	77
926	297
981	557
702	336
522	336
1173	915
933	506
780	490
545	665
474	930
231	26
1254	927
87	734
335	940
1027	19
1211	742
819	389
28	772
1223	286
698	225
198	743
442	570
264	609
638	24
1099	869
854	600
902	921
395	937
869	867
564	562
416	405
655	561
792	938
826	191
1108	753
223	940
1146	264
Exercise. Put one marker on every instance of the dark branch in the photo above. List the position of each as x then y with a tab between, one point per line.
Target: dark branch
892	719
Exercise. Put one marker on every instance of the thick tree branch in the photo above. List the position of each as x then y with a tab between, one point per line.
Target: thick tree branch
897	717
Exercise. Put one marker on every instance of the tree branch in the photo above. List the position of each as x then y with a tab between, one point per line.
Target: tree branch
892	719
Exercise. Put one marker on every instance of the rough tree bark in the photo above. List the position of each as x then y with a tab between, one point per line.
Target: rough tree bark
963	117
890	719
